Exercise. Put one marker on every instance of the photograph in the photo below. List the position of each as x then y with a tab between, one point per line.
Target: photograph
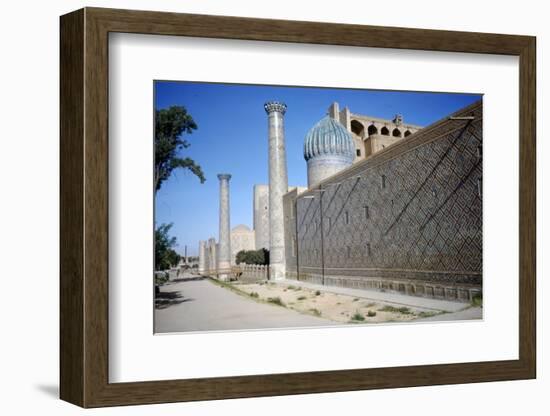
294	207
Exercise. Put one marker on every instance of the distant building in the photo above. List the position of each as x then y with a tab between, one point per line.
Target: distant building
242	238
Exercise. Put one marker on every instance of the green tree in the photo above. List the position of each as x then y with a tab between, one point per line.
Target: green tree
241	257
165	255
172	258
170	126
253	256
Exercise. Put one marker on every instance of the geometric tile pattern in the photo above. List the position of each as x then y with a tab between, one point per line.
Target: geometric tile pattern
412	211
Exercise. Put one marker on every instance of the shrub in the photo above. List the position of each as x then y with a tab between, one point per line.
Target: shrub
253	257
357	317
315	312
317	292
276	301
161	278
371	314
301	298
254	295
403	310
477	300
424	314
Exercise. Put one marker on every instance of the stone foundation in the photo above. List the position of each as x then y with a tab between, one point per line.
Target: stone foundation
428	289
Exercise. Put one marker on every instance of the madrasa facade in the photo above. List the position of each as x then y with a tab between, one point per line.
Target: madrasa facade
388	206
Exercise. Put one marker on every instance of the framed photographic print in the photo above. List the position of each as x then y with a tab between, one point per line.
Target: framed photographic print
287	205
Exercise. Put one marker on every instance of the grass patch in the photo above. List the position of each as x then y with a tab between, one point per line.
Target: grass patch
276	301
222	284
301	298
357	317
477	301
403	310
234	289
428	314
370	305
315	311
371	314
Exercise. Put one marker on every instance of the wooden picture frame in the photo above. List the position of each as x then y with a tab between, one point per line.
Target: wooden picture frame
84	207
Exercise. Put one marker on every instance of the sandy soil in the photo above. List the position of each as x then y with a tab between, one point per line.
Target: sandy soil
336	307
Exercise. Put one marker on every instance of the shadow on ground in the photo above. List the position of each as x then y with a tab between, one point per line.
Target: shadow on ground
164	300
51	390
188	279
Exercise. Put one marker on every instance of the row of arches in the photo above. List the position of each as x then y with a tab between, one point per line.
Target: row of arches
358	128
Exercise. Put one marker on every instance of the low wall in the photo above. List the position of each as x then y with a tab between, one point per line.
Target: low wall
250	272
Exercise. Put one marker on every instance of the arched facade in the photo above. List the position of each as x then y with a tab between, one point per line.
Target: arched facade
357	128
372	130
371	134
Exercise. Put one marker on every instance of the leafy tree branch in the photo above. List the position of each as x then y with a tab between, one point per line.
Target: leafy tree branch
170	126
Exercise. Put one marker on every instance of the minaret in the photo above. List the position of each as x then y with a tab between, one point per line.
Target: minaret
278	186
212	257
202	257
224	252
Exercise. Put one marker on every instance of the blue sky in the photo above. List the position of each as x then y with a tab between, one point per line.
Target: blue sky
232	138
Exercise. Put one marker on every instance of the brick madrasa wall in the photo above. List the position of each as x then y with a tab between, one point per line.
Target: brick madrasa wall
408	219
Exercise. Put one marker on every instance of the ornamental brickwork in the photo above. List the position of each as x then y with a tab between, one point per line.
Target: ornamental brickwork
408	218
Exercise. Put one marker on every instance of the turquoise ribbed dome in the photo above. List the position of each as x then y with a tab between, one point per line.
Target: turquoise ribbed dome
328	137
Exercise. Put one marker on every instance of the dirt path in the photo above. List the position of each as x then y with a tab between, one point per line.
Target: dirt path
338	307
